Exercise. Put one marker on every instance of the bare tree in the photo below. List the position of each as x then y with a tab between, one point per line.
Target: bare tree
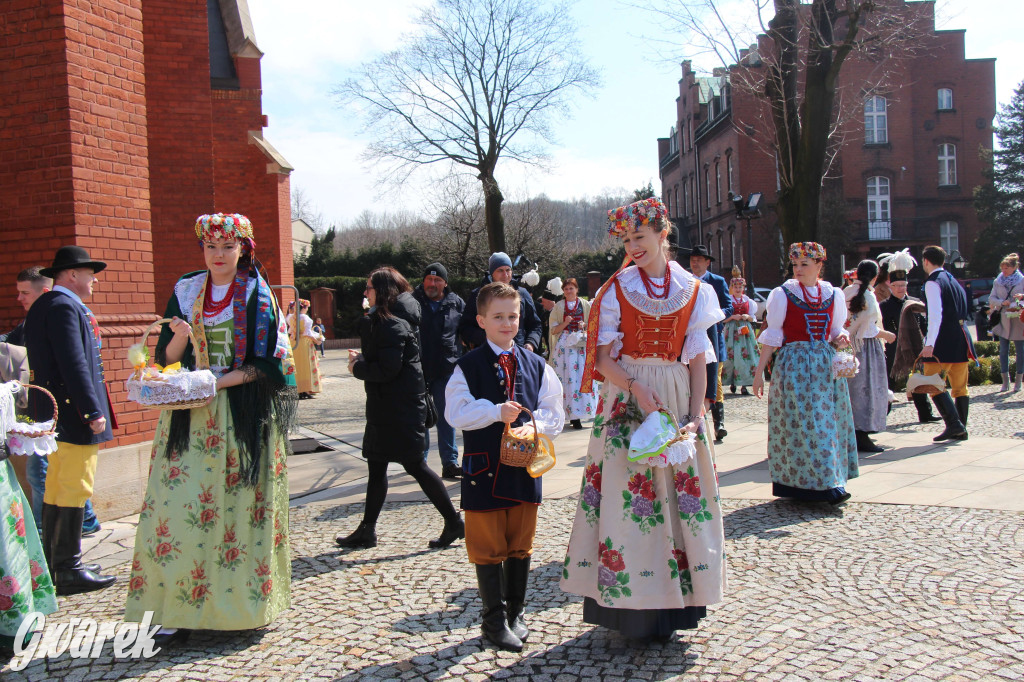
481	81
794	67
303	208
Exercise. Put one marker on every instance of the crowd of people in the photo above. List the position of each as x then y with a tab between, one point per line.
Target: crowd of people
649	353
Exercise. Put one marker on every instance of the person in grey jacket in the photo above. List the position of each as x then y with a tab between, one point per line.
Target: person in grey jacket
499	269
440	313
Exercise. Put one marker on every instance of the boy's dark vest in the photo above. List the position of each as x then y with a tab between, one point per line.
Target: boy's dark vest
953	344
488	485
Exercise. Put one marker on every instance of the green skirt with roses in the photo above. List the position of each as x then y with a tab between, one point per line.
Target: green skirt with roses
210	552
25	584
645	538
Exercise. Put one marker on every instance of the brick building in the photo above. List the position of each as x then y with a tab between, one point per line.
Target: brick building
122	121
905	173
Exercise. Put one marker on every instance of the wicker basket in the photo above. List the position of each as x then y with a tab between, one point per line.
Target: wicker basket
516	451
178	404
847	371
920	383
38	428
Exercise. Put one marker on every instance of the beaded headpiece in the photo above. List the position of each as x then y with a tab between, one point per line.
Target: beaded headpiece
737	277
635	215
224	226
812	250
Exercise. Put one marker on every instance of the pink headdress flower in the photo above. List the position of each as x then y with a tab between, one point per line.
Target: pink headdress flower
812	250
635	215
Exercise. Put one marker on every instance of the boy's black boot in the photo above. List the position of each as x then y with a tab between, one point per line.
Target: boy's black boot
494	626
517	576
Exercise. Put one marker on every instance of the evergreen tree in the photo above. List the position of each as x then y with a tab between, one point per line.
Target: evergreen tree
1000	201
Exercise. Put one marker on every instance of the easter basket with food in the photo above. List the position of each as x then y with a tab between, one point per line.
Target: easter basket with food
171	387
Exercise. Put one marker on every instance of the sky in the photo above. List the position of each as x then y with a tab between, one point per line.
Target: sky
607	143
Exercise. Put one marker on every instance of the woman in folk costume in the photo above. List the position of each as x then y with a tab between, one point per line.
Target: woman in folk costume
568	355
740	339
648	338
812	449
211	550
25	585
307	365
869	388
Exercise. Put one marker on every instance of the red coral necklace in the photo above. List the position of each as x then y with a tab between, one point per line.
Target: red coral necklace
656	291
812	300
211	307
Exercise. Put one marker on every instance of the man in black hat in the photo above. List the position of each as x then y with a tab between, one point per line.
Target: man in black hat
700	260
63	342
441	311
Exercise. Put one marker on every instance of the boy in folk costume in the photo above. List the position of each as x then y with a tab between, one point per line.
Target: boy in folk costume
488	389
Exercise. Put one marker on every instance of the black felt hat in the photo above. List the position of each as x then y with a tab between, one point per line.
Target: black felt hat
700	250
69	257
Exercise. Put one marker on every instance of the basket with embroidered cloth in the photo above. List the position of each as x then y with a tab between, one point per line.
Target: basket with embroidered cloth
171	387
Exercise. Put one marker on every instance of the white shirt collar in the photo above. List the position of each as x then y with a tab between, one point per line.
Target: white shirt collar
64	290
498	350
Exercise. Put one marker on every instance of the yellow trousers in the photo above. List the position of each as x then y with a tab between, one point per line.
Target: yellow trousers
70	475
718	396
956	375
493	536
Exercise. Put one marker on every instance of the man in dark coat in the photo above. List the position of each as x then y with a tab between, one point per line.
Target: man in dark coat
63	341
700	260
499	269
892	309
441	311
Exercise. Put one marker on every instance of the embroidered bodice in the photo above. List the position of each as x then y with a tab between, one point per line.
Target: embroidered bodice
575	316
792	318
655	336
807	321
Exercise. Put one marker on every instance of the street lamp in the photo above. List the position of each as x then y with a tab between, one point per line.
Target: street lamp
957	261
748	210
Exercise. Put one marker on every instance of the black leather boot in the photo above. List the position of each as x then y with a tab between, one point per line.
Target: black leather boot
517	576
865	444
494	625
924	409
955	429
70	576
963	404
365	536
718	415
49	521
454	529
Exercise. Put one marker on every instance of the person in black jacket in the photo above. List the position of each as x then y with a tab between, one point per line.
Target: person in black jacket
63	341
441	311
892	310
499	268
396	408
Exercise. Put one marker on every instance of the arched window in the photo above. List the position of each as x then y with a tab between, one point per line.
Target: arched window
949	236
879	218
876	126
945	99
728	171
718	183
947	164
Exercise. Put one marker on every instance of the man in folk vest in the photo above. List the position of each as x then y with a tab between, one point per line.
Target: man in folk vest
63	342
947	341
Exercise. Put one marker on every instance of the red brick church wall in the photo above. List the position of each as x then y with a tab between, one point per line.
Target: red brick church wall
111	135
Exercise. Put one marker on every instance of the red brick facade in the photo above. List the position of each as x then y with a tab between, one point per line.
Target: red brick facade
719	125
108	141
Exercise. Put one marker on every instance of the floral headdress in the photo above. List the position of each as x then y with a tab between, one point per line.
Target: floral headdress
737	277
635	215
812	250
224	226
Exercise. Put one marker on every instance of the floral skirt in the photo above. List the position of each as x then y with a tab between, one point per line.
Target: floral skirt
25	584
211	553
741	354
645	537
811	443
568	364
307	366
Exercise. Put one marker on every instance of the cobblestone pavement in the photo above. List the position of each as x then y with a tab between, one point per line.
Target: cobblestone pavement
868	592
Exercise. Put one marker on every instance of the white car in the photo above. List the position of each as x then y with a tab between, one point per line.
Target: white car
760	298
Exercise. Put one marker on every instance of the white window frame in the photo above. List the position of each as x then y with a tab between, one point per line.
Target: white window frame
718	182
947	164
876	120
945	99
879	208
949	235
